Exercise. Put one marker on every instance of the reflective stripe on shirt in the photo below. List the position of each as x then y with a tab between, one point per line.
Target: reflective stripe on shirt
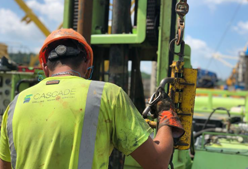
87	144
10	131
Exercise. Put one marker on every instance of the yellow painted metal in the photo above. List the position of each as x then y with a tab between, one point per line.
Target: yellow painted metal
4	50
60	26
132	8
132	2
152	124
106	65
182	92
33	60
109	29
30	16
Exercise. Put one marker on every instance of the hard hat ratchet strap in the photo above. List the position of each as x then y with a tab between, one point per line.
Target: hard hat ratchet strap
62	51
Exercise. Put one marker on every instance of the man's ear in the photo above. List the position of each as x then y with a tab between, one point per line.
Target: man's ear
88	63
84	68
45	69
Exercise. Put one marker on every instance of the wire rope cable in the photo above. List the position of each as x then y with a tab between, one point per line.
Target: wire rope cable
225	32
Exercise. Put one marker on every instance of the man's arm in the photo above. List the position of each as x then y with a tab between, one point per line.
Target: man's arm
155	153
4	164
4	144
130	132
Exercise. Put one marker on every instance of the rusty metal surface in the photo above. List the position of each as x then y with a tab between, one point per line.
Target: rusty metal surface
121	20
136	87
182	92
118	62
85	18
182	8
187	105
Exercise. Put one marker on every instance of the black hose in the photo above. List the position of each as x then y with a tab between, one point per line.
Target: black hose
218	108
192	146
29	81
199	133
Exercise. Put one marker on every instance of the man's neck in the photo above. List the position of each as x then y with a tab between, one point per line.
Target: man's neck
63	71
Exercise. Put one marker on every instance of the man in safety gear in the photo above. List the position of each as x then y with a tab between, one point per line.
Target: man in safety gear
67	121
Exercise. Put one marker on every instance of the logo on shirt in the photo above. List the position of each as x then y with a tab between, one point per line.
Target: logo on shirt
27	98
52	82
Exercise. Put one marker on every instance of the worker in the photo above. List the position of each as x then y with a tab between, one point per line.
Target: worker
68	121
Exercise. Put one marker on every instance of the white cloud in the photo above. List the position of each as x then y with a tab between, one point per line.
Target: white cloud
13	32
196	64
213	3
235	51
200	47
36	49
242	27
52	9
146	66
11	25
201	57
217	2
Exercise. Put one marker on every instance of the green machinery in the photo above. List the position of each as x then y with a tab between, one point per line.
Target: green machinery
117	39
147	39
223	143
13	82
14	79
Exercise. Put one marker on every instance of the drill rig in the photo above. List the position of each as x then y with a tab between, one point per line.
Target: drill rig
155	33
115	40
151	37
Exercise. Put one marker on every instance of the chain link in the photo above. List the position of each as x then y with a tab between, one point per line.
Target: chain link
182	8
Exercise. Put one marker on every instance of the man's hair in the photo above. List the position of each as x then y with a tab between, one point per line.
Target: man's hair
72	61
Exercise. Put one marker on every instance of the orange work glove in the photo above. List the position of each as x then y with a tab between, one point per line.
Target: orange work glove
164	110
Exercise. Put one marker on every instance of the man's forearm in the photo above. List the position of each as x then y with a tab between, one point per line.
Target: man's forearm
4	164
155	153
164	144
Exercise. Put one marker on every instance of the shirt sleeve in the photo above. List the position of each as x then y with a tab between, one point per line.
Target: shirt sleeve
4	144
130	129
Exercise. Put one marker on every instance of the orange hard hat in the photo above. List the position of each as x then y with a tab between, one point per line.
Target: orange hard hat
61	34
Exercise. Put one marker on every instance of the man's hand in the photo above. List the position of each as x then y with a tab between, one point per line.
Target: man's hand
157	153
170	118
164	110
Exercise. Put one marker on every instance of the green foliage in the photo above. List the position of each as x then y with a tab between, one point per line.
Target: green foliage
143	75
20	58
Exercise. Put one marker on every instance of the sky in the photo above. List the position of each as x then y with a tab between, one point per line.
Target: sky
212	26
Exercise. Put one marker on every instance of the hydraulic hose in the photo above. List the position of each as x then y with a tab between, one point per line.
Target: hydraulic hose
218	108
199	133
29	81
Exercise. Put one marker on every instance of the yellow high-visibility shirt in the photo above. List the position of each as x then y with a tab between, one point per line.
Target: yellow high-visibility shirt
67	122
